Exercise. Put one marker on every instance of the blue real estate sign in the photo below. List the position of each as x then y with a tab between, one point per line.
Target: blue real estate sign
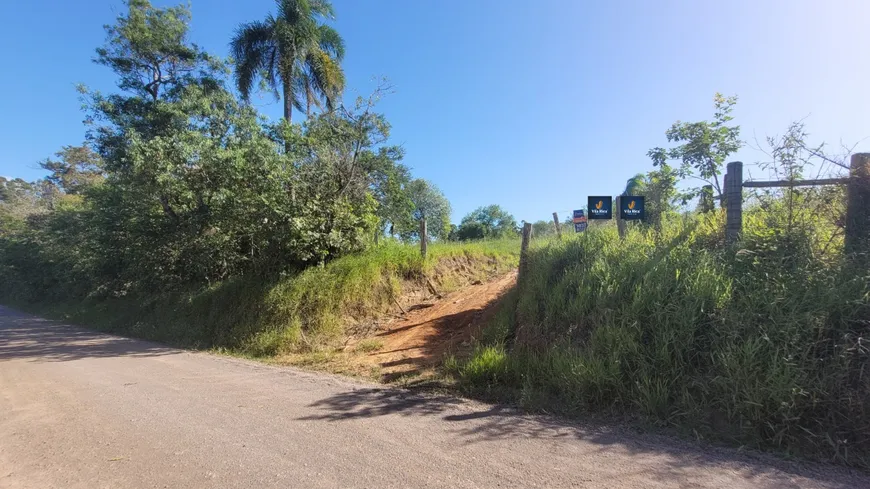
600	207
631	207
579	221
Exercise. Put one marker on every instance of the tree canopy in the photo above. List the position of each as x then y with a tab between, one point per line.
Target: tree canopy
706	145
488	222
180	182
292	51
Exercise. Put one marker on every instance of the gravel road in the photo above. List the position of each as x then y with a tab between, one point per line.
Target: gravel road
85	410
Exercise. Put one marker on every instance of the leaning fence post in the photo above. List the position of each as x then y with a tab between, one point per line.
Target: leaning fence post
423	237
857	241
733	201
558	227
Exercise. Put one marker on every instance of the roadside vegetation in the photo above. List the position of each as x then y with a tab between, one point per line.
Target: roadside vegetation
188	217
311	312
761	343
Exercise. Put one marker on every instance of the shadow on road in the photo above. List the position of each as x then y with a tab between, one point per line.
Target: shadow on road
42	340
674	458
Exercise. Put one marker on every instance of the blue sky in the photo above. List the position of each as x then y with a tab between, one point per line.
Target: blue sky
531	105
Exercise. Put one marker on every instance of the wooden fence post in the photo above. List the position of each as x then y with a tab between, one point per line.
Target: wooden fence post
733	201
558	227
620	222
423	237
524	249
857	241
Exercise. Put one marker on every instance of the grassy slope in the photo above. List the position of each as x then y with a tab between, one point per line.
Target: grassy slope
762	345
302	313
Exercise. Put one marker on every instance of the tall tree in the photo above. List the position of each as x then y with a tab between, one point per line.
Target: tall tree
294	52
149	50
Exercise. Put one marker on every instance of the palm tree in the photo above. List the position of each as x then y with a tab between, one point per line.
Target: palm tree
635	185
293	52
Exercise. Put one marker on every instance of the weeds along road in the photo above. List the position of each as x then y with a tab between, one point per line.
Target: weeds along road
85	410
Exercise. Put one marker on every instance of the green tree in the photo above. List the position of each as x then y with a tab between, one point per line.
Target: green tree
706	146
294	52
148	48
430	203
541	229
20	199
659	187
195	188
470	231
487	222
77	169
635	185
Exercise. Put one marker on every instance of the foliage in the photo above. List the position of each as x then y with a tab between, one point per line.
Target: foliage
427	202
313	310
761	343
659	187
294	51
706	146
78	169
489	222
148	49
542	229
19	199
180	184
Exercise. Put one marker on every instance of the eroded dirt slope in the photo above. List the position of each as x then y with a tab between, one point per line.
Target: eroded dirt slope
420	338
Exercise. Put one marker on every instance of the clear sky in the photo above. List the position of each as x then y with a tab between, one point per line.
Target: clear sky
531	105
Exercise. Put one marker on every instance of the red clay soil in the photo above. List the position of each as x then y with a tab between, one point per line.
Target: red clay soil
420	339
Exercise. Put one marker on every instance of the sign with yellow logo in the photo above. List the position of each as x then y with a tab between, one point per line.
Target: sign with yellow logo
600	207
631	207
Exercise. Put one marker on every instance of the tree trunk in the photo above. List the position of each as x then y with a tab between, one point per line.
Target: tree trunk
288	107
288	101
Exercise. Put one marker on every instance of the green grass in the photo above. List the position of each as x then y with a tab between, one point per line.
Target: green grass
308	312
761	344
369	345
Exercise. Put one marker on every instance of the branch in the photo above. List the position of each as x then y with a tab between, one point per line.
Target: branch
824	157
168	210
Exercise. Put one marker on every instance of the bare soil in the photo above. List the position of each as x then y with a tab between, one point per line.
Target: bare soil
418	340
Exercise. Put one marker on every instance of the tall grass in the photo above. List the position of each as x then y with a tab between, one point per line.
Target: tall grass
261	317
764	343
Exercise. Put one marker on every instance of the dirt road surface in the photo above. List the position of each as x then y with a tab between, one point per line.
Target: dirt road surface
85	410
